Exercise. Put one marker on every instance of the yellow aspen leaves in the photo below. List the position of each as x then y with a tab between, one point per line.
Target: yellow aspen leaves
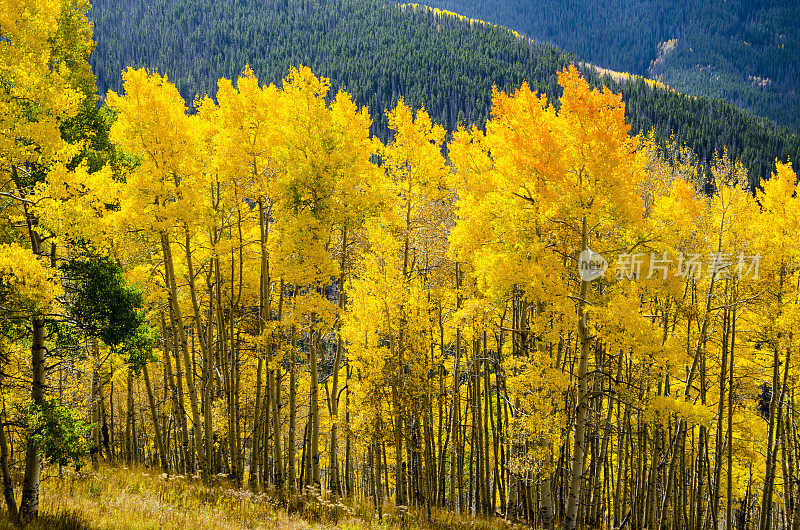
35	286
152	124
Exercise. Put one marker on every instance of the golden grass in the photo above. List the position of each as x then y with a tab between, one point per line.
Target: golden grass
137	498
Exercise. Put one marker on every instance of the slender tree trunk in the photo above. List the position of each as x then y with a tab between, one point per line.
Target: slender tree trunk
729	504
186	453
276	404
378	489
8	485
719	447
765	521
314	409
129	419
263	460
292	472
104	432
454	427
276	428
399	475
162	452
263	317
788	499
29	505
430	461
581	404
189	375
255	449
794	515
333	469
348	456
455	406
205	349
208	378
304	466
489	501
94	407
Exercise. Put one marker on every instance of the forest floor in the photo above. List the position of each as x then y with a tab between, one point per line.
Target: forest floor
121	498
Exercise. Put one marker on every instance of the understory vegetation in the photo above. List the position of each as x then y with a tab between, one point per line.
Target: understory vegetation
140	498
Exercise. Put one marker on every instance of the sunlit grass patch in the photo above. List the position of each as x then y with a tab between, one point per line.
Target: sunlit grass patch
137	498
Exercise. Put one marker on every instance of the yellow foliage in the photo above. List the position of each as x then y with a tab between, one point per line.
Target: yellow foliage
35	286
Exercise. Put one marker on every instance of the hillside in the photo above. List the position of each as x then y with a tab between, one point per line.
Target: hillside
139	498
377	53
746	52
380	52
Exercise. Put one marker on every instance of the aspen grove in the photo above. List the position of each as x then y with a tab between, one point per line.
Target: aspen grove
255	290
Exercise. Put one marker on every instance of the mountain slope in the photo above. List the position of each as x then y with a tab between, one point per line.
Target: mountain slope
744	51
381	52
377	52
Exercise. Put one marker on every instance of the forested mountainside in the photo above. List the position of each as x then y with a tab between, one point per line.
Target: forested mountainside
376	52
381	52
744	51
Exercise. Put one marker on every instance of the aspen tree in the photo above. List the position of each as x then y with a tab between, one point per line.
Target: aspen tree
778	201
152	124
570	174
321	190
44	67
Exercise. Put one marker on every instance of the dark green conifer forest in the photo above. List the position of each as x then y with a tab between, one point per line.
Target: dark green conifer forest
743	51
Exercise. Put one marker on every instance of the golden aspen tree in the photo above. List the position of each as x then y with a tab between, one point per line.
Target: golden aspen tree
733	212
245	133
165	191
421	185
43	62
778	320
574	174
358	191
322	190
